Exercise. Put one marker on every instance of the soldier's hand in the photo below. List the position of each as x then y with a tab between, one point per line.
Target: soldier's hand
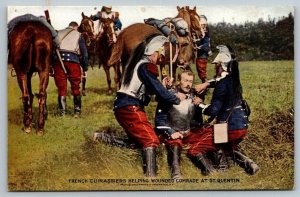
176	135
167	82
201	87
197	101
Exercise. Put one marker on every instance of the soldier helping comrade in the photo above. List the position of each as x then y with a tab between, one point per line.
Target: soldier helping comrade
138	84
226	107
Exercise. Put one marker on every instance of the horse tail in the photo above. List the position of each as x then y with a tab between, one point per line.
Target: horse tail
116	52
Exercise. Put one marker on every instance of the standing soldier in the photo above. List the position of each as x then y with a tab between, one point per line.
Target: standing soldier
203	49
67	66
106	12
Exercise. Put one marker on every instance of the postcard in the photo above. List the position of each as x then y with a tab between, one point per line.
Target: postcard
125	98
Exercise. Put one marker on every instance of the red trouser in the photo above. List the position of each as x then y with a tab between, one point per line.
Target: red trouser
201	140
134	120
201	65
73	74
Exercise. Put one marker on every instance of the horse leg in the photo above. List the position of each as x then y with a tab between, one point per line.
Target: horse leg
117	76
44	79
108	79
27	101
83	85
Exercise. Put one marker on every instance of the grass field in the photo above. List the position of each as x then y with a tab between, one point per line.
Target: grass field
66	153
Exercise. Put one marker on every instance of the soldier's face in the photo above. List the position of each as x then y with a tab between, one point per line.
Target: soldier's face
186	82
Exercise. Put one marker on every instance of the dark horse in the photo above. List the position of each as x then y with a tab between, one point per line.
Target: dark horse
86	28
30	48
134	34
102	44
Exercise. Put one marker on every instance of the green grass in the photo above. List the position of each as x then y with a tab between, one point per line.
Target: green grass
42	163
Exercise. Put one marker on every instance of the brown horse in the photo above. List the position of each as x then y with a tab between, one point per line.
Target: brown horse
105	43
86	28
195	20
30	48
100	45
134	34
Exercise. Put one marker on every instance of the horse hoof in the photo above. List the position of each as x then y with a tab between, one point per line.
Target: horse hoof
109	92
27	129
83	93
40	132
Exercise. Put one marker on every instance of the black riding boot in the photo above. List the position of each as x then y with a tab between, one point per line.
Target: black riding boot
77	105
174	153
245	162
149	161
62	105
203	163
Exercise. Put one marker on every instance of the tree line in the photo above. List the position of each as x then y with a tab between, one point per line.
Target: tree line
263	40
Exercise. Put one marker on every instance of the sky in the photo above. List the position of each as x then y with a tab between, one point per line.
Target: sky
62	15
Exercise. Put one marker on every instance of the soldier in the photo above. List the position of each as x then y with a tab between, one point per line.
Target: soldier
179	125
67	66
226	107
138	84
203	49
106	12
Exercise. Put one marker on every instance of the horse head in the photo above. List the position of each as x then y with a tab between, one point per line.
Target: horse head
108	30
186	51
195	19
184	13
86	27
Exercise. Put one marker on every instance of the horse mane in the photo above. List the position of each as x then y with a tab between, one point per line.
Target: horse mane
135	58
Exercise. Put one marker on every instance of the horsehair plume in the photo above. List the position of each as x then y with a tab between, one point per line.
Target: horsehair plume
135	58
235	75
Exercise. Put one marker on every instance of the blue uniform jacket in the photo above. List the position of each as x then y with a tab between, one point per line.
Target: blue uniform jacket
203	47
223	102
153	85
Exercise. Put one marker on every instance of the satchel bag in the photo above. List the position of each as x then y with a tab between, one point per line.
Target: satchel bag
221	133
221	130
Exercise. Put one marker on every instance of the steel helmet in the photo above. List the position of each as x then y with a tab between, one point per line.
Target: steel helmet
223	57
156	44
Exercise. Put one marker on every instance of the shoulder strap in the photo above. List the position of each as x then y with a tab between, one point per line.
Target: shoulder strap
66	34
